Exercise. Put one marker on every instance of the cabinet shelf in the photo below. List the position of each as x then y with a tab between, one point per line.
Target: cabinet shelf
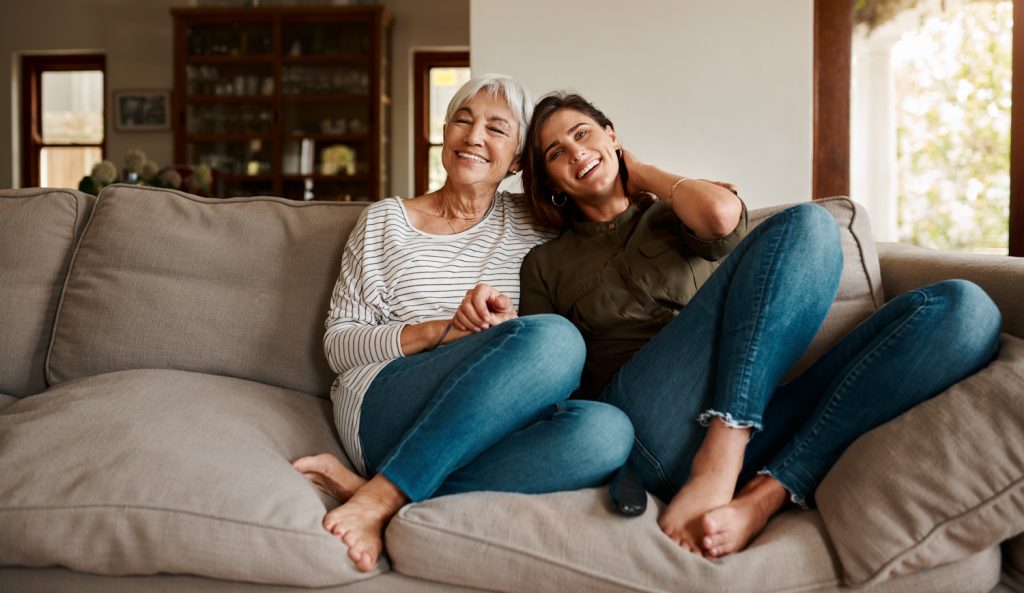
227	137
322	177
329	59
325	98
270	72
229	99
265	58
328	137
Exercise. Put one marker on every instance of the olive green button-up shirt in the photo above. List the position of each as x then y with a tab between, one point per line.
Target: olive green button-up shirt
620	281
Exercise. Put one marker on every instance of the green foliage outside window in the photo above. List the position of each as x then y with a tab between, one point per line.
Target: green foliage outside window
953	129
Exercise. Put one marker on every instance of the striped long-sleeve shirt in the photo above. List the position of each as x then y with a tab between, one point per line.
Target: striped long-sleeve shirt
393	275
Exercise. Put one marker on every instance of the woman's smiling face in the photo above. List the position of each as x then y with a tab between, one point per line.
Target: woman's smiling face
579	154
480	141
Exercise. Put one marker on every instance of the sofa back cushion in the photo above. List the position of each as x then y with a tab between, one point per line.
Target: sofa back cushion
860	287
38	232
239	287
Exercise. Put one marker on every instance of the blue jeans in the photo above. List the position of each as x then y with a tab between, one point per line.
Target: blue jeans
727	351
489	412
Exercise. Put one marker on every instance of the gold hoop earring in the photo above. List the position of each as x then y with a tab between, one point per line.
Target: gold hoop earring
556	204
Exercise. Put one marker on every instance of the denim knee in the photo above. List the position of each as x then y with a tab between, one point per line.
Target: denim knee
818	233
553	344
602	434
969	319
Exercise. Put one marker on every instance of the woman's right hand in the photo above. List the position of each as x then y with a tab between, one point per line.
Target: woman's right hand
483	306
635	167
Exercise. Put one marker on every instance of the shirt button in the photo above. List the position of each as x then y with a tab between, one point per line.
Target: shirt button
611	225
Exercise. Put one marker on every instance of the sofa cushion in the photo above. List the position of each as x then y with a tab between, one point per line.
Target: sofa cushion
239	287
60	580
937	484
38	232
6	400
141	472
573	541
860	286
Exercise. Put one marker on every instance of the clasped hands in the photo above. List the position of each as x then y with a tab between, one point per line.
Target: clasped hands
483	306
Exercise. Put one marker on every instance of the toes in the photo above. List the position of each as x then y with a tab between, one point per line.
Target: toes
710	523
305	464
366	562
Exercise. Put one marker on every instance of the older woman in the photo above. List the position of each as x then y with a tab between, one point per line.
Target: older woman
427	409
678	341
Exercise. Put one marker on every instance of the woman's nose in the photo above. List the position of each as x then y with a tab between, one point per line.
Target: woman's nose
475	135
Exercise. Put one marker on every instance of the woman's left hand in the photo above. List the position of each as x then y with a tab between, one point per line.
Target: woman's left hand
483	307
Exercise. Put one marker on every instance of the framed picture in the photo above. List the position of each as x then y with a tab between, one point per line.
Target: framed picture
142	110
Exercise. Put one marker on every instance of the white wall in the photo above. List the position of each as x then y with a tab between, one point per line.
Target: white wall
721	89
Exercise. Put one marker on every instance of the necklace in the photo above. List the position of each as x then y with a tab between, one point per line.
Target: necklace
449	218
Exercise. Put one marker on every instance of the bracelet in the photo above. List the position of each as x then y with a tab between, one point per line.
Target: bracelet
668	198
444	335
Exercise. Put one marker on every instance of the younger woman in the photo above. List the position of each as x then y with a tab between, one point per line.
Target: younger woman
695	352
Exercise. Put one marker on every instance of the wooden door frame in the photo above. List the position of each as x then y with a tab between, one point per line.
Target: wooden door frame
833	54
423	61
32	67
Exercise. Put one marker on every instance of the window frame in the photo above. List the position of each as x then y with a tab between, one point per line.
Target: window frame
32	69
833	49
423	61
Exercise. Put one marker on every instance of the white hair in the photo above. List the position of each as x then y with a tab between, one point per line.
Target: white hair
518	98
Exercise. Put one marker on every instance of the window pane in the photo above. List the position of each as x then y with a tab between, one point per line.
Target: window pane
72	107
65	166
930	125
444	82
435	171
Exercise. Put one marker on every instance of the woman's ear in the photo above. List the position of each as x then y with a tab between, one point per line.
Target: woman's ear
612	135
514	167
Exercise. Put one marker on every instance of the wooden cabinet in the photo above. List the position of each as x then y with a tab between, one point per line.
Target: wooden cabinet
280	101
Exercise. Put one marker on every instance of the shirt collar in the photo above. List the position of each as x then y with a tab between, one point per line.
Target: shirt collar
590	228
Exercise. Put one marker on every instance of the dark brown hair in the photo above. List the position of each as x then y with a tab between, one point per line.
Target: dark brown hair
536	182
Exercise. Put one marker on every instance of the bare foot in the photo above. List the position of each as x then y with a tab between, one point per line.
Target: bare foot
730	528
682	518
360	522
712	484
330	475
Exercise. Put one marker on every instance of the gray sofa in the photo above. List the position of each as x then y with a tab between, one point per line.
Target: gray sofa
161	364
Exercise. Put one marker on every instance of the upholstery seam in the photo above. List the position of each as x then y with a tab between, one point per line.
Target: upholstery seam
150	509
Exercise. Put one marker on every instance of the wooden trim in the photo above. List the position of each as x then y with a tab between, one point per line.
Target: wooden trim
833	49
423	61
1017	135
32	68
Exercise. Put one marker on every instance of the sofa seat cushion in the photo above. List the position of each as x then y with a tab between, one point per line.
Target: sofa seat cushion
6	400
939	483
240	287
573	541
860	286
38	232
17	579
150	471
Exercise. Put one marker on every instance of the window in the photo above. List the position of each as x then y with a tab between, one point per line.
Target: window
63	118
834	26
438	76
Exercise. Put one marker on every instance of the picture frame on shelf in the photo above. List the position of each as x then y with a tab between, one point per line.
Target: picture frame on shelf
144	110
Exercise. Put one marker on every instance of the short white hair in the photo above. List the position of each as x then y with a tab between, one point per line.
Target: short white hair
518	98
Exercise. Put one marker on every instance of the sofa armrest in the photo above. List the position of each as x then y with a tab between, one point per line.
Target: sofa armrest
906	266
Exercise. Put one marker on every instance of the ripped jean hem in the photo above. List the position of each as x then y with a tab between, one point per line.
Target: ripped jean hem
793	496
705	420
